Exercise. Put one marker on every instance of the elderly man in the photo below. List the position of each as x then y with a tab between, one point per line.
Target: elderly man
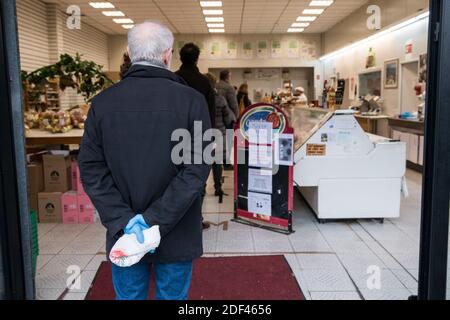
127	170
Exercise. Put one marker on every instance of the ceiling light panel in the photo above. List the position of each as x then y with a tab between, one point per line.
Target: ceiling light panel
214	19
213	12
300	25
113	13
306	19
216	30
321	3
292	30
102	5
128	26
123	21
210	4
216	25
313	11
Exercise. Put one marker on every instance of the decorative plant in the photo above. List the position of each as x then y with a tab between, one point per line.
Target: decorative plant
85	76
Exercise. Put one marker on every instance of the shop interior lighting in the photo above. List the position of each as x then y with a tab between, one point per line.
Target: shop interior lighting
313	11
321	3
213	12
113	13
128	26
216	25
306	19
292	30
210	4
216	30
102	5
123	21
214	19
377	35
300	25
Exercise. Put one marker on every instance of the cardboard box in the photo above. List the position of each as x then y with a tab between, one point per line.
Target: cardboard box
35	178
76	180
69	204
50	207
85	209
57	173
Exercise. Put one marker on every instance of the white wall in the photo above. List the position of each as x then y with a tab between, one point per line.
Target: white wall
309	51
390	46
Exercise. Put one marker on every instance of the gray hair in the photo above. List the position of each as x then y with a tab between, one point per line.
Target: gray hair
148	41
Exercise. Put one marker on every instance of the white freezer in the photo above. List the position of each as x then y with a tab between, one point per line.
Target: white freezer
344	173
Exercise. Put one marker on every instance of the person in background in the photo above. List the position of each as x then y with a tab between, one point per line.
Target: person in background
189	56
126	65
127	169
224	117
242	98
226	90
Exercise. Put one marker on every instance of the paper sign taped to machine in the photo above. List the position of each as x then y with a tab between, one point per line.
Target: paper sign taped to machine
260	203
260	180
284	149
260	156
260	132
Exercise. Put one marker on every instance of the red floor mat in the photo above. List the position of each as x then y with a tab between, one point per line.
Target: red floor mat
224	278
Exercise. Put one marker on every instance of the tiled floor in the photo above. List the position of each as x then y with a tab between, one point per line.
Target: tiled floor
330	260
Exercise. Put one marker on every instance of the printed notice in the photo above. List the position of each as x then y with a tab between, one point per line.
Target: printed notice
284	146
260	132
260	180
260	203
260	156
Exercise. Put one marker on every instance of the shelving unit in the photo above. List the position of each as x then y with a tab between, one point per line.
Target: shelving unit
49	98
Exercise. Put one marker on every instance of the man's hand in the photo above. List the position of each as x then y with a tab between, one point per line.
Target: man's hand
137	225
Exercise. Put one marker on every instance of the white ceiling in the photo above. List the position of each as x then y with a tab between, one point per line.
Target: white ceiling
241	16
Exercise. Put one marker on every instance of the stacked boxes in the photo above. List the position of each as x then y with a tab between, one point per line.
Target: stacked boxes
56	193
85	207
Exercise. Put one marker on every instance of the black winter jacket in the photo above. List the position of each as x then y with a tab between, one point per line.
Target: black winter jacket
125	160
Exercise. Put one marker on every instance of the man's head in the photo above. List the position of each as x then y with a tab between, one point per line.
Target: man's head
150	42
225	75
190	53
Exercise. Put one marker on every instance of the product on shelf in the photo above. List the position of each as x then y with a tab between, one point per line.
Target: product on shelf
31	118
78	117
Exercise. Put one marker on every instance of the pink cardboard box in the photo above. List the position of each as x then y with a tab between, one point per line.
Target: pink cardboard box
69	204
85	209
76	180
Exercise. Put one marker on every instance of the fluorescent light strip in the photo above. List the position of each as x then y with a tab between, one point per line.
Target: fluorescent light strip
321	3
313	11
300	24
216	25
113	13
212	12
214	19
210	4
308	19
377	35
128	26
123	21
102	5
216	30
295	30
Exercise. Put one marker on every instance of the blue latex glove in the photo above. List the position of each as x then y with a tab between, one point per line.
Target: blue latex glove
137	225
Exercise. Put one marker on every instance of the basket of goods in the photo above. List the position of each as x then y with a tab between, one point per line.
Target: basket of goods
55	121
31	118
78	117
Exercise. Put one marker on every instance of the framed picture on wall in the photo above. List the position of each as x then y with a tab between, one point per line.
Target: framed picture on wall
391	74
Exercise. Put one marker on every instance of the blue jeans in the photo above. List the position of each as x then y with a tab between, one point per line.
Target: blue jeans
172	281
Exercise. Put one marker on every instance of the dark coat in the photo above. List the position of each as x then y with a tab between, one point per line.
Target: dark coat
199	82
243	96
227	91
125	160
224	116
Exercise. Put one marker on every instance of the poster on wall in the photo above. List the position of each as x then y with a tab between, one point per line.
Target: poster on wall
352	87
423	68
215	50
308	50
391	74
231	52
247	50
409	49
262	49
276	51
293	49
201	45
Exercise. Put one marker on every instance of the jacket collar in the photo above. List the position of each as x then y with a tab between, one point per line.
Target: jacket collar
191	67
143	71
